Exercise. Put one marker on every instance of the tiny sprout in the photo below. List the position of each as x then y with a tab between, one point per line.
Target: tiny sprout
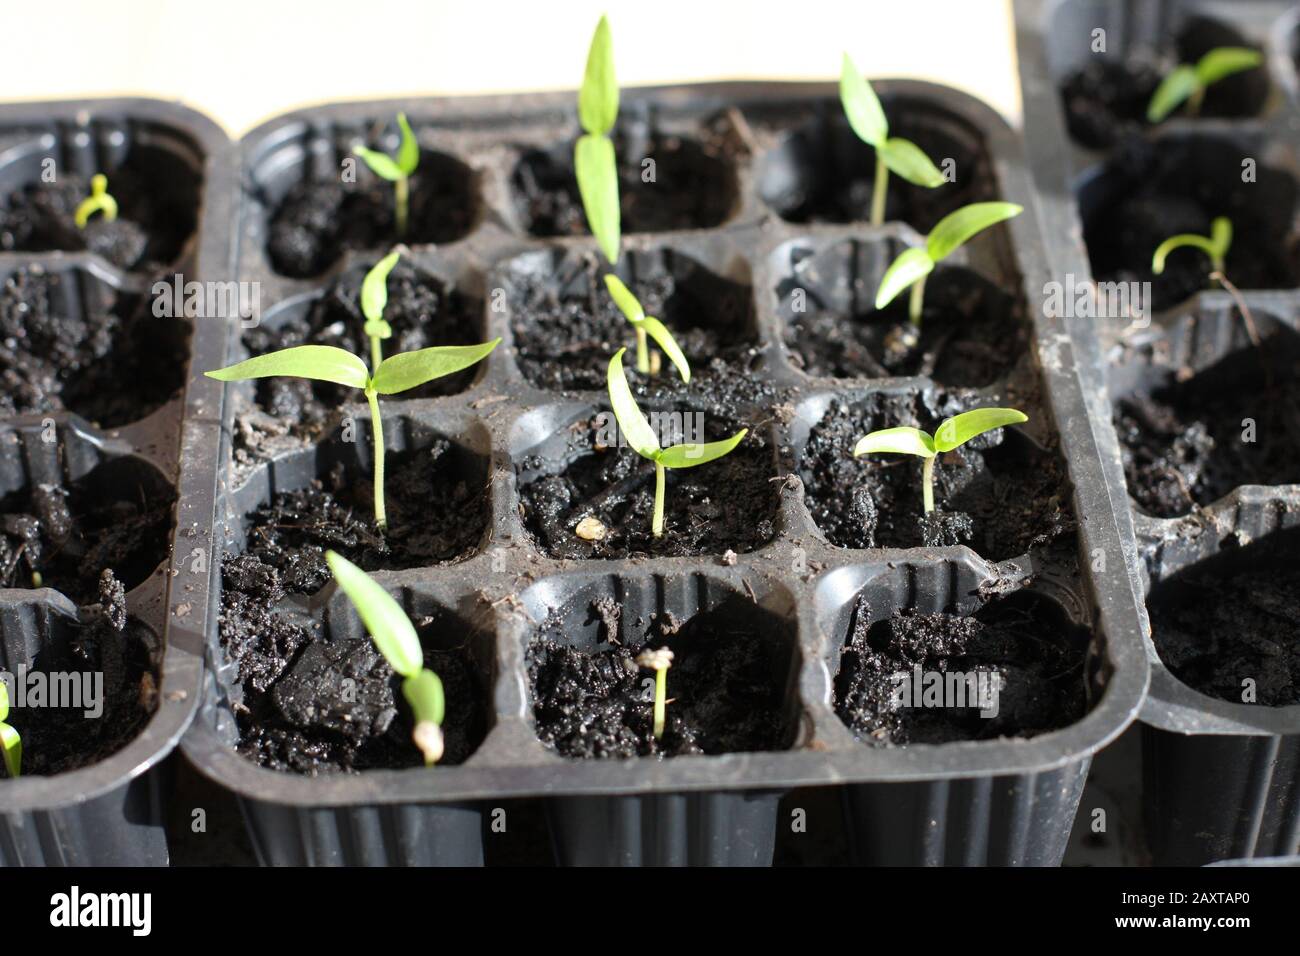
397	373
396	170
642	438
951	433
10	743
374	299
1216	245
98	201
395	637
1189	83
593	154
658	661
867	117
631	308
948	235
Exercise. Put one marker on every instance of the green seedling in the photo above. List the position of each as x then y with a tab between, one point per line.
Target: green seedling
593	155
99	201
397	373
658	661
1215	245
396	170
1188	83
951	433
10	743
645	324
395	636
374	299
902	156
949	234
636	429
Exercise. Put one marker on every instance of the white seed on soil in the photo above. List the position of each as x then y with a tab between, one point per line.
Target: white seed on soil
590	529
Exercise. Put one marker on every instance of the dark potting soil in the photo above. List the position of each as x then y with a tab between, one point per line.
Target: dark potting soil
1106	101
315	704
693	185
731	503
998	493
112	519
1232	618
1039	660
319	220
103	642
726	684
971	335
1195	438
157	213
111	361
1150	191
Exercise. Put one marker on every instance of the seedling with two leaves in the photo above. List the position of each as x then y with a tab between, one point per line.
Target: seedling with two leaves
593	154
1187	83
99	201
641	436
893	153
395	637
11	745
952	433
645	325
1216	246
396	169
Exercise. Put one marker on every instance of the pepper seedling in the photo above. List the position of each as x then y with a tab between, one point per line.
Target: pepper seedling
949	234
374	299
1215	245
658	661
397	373
395	637
99	201
593	154
1188	83
10	743
644	324
396	169
902	156
641	436
951	433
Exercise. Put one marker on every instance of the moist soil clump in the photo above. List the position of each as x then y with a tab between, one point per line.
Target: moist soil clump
1233	617
998	493
725	689
1038	661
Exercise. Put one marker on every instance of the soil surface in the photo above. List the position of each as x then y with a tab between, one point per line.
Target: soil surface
1151	191
157	213
1184	444
997	493
1106	101
693	186
726	684
112	362
1038	658
113	518
731	503
1234	617
318	220
104	641
315	704
971	335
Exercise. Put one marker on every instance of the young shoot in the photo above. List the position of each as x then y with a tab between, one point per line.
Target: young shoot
1187	83
99	201
641	436
645	324
396	169
1215	245
397	373
949	234
658	661
374	299
11	745
951	433
395	637
902	156
593	155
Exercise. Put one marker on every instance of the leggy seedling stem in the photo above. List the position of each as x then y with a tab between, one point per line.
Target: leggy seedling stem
658	661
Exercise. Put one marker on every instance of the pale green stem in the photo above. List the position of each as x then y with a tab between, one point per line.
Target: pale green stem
376	353
1217	262
927	483
661	700
917	300
657	526
1194	101
381	515
642	353
878	193
401	191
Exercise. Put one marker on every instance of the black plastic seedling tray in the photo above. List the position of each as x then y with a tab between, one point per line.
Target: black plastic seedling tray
998	801
111	812
1221	779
